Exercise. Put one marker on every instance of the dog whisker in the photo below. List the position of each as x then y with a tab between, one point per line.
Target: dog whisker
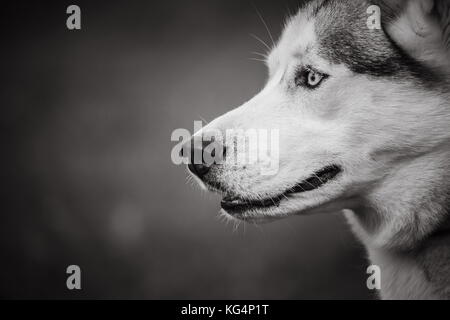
265	56
256	59
261	41
203	119
265	24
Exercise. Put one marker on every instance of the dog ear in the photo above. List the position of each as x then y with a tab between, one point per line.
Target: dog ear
442	8
391	10
418	26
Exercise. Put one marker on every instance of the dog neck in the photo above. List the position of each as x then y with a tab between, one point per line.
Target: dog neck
408	205
405	224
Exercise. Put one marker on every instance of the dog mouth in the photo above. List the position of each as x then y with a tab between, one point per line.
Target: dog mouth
236	205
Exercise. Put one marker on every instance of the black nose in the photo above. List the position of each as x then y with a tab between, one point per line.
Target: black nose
203	154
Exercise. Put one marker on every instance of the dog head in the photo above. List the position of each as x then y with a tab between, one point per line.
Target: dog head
347	102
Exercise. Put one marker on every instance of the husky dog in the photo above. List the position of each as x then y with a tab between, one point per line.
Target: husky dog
364	127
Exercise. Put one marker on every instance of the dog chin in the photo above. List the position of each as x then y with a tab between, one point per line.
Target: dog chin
253	217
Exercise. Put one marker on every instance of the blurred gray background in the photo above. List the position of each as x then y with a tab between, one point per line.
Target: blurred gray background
86	174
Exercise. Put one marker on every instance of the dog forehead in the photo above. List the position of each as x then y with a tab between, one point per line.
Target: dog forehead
338	32
344	35
327	26
298	38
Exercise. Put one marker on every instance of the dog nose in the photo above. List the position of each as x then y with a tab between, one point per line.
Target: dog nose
203	154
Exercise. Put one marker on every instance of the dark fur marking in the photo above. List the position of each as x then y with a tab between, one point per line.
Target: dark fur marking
365	51
434	256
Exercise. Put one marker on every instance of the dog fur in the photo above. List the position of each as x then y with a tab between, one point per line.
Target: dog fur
382	115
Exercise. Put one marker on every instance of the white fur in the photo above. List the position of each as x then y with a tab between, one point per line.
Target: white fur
392	139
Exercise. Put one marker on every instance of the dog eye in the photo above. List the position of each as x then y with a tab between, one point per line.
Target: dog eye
314	78
309	78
